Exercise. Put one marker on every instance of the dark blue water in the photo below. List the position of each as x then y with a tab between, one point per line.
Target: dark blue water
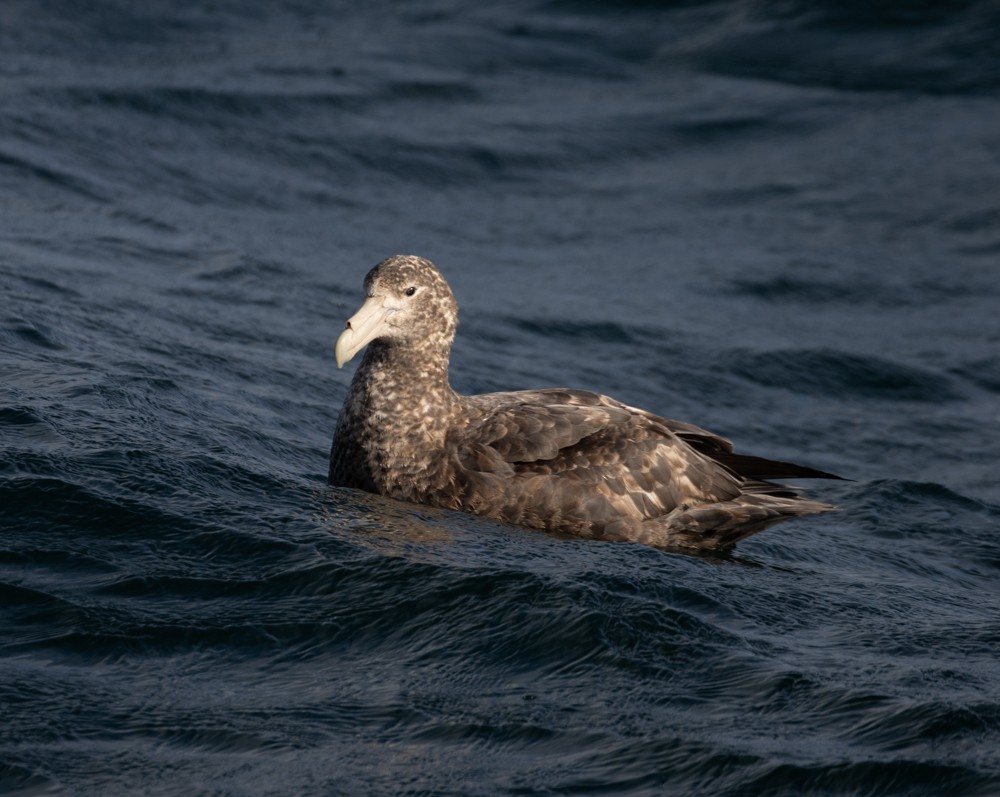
777	220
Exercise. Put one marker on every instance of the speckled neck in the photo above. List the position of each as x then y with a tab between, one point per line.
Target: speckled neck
406	385
397	414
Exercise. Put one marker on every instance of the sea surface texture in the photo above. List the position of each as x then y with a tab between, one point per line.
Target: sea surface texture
777	220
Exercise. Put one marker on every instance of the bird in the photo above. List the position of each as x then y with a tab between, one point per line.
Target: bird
568	461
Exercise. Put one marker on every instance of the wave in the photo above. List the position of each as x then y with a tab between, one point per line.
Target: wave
829	372
936	48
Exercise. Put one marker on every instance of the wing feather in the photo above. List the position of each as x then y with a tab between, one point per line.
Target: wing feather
531	432
631	460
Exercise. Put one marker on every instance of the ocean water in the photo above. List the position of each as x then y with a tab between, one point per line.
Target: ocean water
777	220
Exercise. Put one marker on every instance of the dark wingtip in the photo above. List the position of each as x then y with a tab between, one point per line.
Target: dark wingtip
760	468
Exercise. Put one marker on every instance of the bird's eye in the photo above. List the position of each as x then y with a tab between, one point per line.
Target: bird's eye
410	291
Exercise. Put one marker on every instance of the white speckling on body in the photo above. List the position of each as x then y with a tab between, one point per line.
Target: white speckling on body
557	459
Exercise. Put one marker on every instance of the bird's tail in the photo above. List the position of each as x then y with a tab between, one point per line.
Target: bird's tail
721	525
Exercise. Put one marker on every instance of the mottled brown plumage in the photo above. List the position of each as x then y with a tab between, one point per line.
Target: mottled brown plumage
562	460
